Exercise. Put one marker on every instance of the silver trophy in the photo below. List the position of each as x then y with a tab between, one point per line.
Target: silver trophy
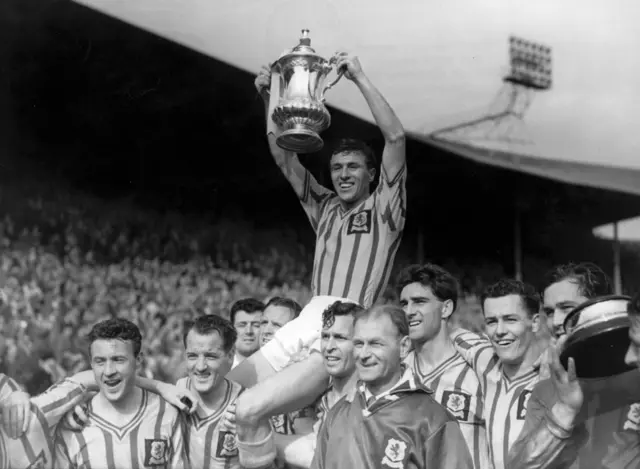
300	111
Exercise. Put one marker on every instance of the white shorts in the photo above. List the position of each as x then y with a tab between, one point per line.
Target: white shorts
300	335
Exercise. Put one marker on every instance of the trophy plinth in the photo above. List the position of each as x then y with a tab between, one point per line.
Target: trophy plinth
300	112
300	140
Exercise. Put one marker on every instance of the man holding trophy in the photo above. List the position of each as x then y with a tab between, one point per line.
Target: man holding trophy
357	233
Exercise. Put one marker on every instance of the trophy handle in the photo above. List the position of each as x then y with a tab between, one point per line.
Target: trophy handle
334	82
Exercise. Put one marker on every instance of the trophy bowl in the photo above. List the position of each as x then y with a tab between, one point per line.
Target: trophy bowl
300	112
598	337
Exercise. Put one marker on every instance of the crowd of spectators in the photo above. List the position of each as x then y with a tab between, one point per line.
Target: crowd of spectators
65	265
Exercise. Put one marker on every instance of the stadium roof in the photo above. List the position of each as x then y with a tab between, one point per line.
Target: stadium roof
442	63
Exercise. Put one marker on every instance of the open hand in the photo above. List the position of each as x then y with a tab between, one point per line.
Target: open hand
565	382
76	419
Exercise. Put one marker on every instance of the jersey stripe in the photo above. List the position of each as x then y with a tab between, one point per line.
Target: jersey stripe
152	437
355	249
208	442
36	447
133	443
456	387
505	398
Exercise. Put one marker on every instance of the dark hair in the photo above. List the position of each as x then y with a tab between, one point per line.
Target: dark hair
591	279
293	305
507	286
209	323
248	305
633	308
394	312
352	145
443	285
339	308
117	329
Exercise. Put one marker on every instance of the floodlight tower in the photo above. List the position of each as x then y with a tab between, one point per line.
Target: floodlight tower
529	73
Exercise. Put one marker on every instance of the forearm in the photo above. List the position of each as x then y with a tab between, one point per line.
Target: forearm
150	385
384	115
87	379
547	444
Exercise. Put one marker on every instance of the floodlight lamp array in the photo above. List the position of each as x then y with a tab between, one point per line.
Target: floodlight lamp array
530	64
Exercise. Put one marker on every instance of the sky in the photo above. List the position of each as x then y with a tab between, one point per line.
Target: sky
628	230
440	62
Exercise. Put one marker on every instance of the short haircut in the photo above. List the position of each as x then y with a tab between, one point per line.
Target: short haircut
393	312
339	308
591	279
443	285
527	293
210	323
293	305
353	145
248	305
117	329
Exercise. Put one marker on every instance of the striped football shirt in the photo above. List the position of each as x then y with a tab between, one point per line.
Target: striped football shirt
35	449
456	387
209	444
355	249
505	399
151	439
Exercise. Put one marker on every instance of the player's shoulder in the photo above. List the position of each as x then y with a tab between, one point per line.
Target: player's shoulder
426	411
409	360
154	405
465	337
8	385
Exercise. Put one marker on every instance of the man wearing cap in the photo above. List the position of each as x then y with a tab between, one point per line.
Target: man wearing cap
581	423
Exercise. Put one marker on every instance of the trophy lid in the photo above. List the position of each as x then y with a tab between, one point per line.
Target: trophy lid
598	337
303	49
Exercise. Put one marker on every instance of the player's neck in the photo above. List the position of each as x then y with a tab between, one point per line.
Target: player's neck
125	407
432	353
344	384
515	370
346	206
212	400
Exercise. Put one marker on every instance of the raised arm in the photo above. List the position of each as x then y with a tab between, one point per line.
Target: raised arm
476	350
550	437
394	154
309	191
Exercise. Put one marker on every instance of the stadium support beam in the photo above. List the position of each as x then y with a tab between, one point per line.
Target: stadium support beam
517	244
617	270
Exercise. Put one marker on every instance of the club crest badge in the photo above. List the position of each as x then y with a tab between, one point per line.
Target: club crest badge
394	454
360	222
156	452
632	422
227	446
523	400
457	403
